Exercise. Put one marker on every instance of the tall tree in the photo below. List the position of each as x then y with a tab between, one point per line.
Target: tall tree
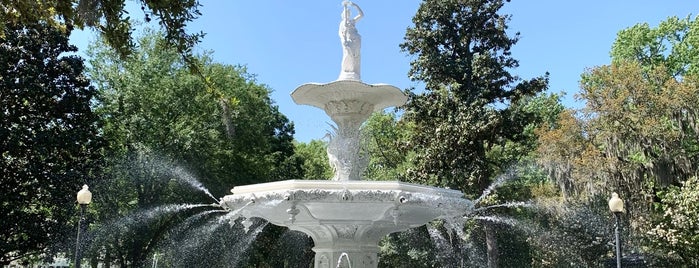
645	124
165	128
639	126
637	133
462	53
48	138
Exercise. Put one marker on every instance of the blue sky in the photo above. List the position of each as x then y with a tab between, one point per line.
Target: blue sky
290	43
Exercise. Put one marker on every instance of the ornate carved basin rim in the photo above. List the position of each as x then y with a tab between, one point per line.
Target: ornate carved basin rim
344	185
310	202
380	96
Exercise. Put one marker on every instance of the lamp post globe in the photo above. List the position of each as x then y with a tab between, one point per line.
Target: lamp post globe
616	206
84	198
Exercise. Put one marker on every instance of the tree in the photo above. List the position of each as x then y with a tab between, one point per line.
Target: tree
385	138
315	159
108	18
674	230
165	129
569	156
463	56
644	123
48	138
673	44
637	132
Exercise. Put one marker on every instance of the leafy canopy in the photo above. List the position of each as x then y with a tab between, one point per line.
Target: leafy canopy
49	140
109	18
462	53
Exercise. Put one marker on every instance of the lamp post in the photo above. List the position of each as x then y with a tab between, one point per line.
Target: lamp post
616	205
84	198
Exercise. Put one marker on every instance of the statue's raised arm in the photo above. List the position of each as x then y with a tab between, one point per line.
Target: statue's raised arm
351	42
360	13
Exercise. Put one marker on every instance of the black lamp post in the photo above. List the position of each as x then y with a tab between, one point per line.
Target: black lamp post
84	198
616	205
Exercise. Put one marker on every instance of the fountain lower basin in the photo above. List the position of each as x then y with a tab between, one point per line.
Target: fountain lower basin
347	217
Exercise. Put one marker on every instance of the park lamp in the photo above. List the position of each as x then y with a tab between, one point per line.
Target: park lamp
84	196
616	205
84	199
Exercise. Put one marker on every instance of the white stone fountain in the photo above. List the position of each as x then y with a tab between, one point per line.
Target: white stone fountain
346	216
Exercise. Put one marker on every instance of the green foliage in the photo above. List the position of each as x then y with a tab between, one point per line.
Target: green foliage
108	18
166	131
315	159
673	233
463	55
474	118
154	102
642	121
49	143
673	44
637	135
410	248
385	139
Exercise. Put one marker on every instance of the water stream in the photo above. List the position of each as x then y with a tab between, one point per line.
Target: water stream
346	264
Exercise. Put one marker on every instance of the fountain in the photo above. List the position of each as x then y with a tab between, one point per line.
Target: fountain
346	216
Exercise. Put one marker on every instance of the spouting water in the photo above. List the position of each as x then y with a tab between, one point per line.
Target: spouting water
496	219
446	252
347	259
499	181
187	177
505	205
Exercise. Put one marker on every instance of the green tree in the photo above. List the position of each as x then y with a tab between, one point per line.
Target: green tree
385	137
463	55
165	130
674	230
673	44
638	130
48	139
315	159
644	124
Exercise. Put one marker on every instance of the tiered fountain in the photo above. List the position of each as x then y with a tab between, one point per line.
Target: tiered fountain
346	216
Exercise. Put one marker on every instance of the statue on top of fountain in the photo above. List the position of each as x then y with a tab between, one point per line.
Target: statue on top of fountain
348	101
351	42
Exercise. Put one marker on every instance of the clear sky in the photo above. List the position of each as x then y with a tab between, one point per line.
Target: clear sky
290	43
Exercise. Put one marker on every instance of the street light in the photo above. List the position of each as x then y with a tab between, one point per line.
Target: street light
84	198
616	205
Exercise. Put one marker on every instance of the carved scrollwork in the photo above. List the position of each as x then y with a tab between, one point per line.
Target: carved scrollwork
346	231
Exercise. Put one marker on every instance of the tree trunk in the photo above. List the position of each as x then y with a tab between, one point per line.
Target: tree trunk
492	245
